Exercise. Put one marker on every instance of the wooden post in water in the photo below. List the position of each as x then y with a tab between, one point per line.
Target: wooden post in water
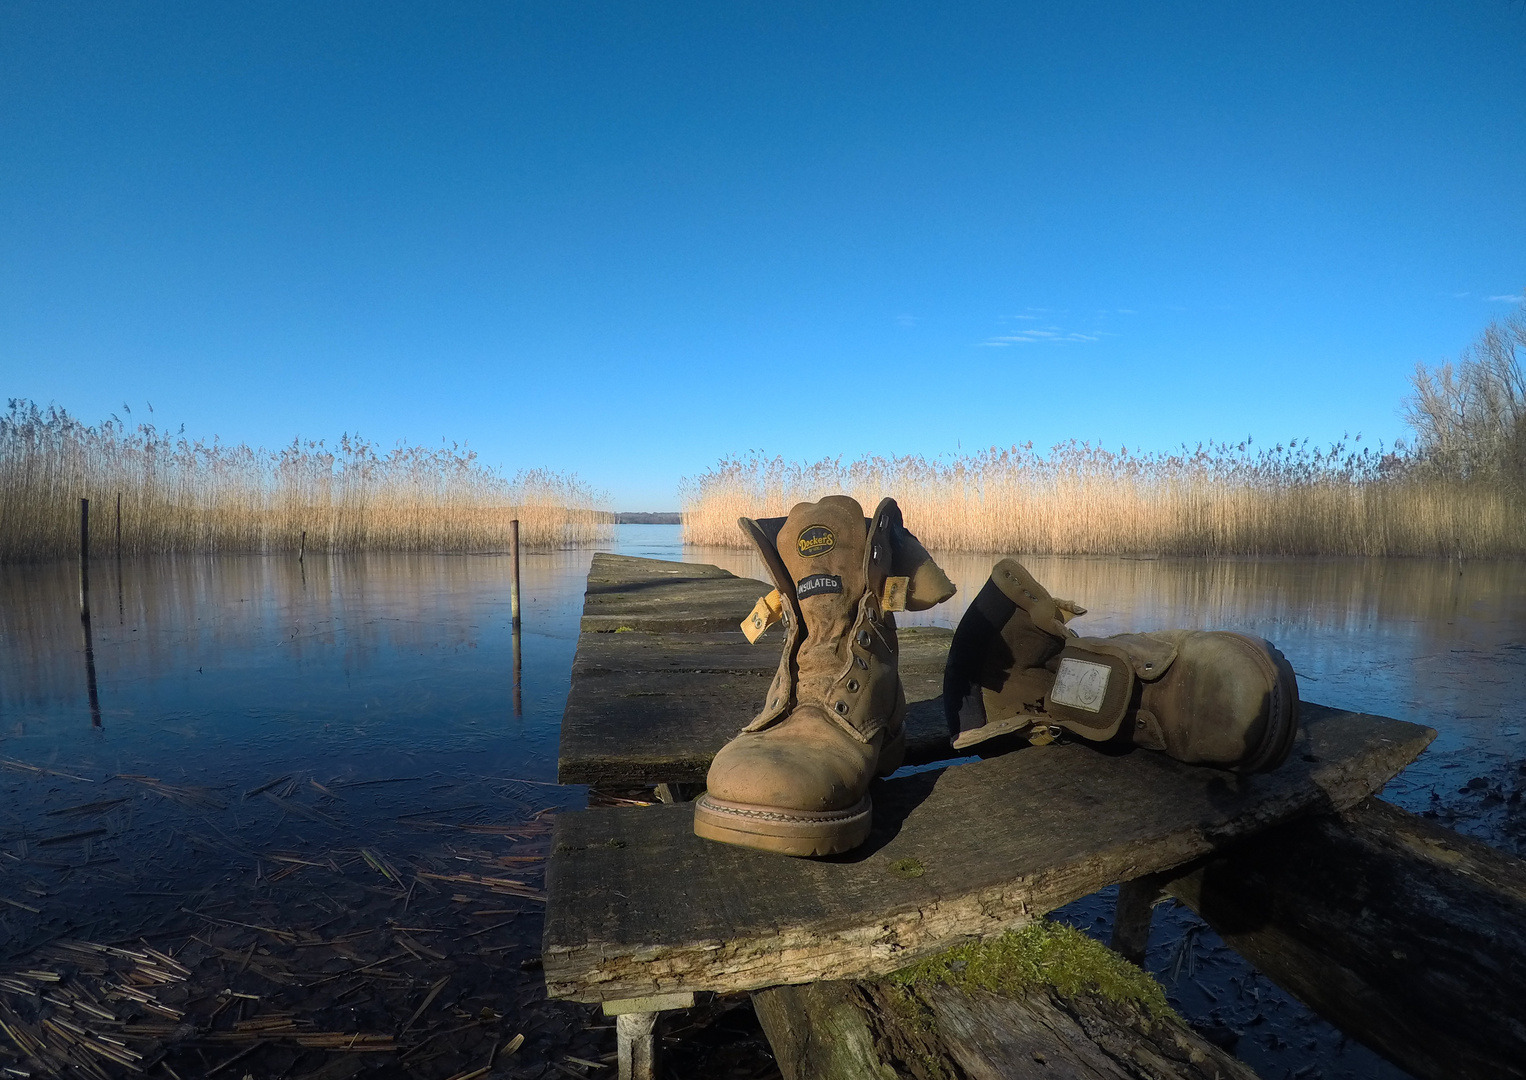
84	557
302	547
84	611
519	706
514	574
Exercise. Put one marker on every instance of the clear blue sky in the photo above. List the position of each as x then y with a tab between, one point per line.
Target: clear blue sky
628	239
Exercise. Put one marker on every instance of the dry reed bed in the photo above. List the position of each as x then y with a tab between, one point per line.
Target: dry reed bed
1077	499
177	495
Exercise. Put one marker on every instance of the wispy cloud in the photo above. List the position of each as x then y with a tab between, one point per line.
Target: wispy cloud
1051	335
907	320
1511	298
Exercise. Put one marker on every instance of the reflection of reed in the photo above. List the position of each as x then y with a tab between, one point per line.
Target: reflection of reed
84	620
519	709
1342	594
216	609
1366	596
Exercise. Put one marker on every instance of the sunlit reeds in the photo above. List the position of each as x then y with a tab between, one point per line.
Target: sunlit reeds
1215	500
180	495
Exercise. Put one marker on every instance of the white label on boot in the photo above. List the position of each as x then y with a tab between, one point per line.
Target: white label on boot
1080	684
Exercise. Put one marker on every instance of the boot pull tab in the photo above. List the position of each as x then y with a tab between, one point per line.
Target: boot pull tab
767	611
895	594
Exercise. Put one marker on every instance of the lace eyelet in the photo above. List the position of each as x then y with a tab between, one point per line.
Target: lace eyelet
852	686
842	707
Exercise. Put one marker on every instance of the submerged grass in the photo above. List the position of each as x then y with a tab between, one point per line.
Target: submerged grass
1042	955
180	495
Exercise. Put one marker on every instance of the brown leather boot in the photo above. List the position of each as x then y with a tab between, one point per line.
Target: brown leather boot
1203	696
796	780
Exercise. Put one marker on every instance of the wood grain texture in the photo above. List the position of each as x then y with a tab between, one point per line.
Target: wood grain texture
654	707
863	1031
639	905
1408	937
657	595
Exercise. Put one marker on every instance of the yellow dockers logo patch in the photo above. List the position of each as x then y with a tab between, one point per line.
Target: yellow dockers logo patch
815	540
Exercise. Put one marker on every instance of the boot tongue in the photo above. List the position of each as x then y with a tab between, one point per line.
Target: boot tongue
822	545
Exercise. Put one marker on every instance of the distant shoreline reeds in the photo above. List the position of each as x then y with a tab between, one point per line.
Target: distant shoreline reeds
184	496
1078	499
1460	490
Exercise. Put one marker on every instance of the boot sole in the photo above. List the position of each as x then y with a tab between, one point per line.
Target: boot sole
785	832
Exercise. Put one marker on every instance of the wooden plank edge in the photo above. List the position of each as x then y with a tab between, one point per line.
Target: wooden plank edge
809	953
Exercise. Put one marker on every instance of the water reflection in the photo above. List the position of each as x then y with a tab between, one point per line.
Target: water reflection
413	654
383	688
84	619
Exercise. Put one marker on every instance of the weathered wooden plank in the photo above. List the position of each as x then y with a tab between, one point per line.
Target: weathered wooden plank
649	708
639	905
861	1031
657	595
1408	937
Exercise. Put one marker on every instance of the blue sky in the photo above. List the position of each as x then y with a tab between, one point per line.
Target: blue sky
629	239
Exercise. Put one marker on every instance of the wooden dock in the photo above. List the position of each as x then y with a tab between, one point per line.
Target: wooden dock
642	914
663	677
639	905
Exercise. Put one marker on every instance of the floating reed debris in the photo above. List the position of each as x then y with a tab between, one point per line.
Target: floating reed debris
245	970
180	495
195	796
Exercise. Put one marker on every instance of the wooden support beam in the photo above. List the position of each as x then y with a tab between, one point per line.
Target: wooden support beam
635	1047
873	1030
1408	937
1133	915
635	1022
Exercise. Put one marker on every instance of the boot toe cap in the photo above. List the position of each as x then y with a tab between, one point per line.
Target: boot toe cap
792	766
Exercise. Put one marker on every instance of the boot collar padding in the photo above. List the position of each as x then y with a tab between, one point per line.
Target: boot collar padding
1150	655
1047	613
927	584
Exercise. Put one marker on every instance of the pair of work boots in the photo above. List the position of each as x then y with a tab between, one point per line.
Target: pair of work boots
796	780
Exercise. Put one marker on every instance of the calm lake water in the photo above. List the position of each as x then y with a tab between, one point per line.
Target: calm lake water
380	693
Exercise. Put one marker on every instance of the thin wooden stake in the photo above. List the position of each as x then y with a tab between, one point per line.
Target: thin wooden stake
514	573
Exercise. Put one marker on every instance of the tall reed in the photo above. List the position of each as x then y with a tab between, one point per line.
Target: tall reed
1079	499
180	495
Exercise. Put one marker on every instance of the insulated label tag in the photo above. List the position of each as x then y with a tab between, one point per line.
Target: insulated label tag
767	611
895	594
816	584
1080	684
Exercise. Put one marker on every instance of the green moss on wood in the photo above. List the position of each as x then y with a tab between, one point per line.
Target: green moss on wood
1041	955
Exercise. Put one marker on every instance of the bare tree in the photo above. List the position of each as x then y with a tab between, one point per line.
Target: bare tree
1470	417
